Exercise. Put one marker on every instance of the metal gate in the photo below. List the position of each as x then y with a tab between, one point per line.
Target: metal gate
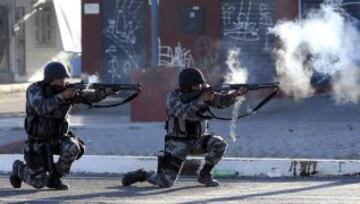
124	38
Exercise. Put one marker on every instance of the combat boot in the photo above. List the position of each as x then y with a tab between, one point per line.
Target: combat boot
133	177
56	183
15	179
208	180
205	177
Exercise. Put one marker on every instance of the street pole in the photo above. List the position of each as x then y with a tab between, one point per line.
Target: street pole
154	32
12	46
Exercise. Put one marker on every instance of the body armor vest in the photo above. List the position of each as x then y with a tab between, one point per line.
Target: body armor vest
45	128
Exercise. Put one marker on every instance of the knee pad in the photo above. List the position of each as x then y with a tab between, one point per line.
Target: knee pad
217	142
72	149
82	148
79	142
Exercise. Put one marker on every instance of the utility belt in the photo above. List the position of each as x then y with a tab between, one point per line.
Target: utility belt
177	128
44	129
177	138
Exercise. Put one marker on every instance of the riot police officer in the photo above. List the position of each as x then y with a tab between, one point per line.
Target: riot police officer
48	104
186	133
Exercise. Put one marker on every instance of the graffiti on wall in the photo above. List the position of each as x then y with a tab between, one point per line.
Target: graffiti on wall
176	57
238	25
245	21
265	22
121	30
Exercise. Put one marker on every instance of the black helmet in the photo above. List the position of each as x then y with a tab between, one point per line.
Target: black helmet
189	77
55	70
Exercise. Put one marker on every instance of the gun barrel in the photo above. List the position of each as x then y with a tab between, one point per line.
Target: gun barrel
254	86
115	87
127	87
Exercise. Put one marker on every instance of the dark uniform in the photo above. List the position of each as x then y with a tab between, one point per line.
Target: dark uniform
47	126
186	135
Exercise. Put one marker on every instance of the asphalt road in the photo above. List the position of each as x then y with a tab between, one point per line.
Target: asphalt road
259	190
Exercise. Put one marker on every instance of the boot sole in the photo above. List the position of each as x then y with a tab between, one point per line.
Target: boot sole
15	181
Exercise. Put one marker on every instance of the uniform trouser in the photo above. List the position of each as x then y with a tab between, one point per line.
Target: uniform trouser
176	152
36	170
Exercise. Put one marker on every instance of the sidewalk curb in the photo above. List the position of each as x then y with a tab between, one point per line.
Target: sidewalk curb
11	88
267	167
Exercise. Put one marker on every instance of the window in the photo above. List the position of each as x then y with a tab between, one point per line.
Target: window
45	27
192	19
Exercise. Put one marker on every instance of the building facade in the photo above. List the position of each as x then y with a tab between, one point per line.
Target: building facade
29	38
118	38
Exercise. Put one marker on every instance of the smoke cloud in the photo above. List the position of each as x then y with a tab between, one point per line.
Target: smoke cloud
236	74
93	79
326	42
90	78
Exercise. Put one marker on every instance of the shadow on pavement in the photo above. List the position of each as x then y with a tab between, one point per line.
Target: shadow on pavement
124	192
278	192
16	192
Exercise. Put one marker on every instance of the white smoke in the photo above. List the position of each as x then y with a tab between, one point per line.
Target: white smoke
236	73
93	79
234	117
90	79
239	75
326	42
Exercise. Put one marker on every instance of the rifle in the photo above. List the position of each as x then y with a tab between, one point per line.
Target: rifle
188	97
82	86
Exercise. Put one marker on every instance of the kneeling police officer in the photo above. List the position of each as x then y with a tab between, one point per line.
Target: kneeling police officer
186	133
48	104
